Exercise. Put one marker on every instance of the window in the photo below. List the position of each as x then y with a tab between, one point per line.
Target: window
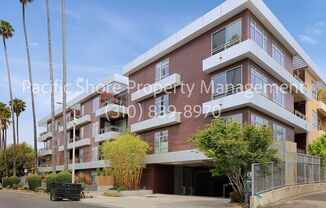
68	117
278	54
95	129
258	35
95	153
162	70
82	110
96	104
161	143
81	133
258	120
227	37
279	132
314	119
235	117
161	105
258	81
314	89
278	95
227	83
81	155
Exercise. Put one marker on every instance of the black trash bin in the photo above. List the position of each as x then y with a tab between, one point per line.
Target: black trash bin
61	191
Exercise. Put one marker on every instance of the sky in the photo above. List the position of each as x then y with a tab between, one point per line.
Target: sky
102	36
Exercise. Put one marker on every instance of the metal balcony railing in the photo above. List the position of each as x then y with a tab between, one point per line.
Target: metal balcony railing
111	128
227	45
300	115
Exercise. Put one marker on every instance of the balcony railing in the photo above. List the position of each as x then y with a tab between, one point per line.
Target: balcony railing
111	128
76	139
232	42
117	102
300	115
229	91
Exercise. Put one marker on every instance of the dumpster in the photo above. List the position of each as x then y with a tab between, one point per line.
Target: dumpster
61	191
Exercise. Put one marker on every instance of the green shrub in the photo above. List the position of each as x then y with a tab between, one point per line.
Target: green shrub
6	182
20	186
15	187
14	181
64	177
51	178
10	181
34	181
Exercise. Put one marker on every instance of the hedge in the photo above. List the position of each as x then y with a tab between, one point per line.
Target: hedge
62	177
34	181
10	181
51	178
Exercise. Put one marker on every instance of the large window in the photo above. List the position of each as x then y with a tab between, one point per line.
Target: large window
278	95
161	143
314	89
258	35
227	83
162	70
279	132
258	81
278	54
227	37
314	119
258	120
234	118
161	105
96	104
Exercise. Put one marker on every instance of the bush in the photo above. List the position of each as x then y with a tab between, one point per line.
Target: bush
64	177
10	181
20	186
15	187
34	181
51	178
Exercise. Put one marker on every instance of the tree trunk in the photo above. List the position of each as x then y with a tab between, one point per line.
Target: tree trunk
11	108
5	149
64	83
32	92
17	128
54	141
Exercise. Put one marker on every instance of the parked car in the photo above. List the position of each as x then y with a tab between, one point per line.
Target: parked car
61	191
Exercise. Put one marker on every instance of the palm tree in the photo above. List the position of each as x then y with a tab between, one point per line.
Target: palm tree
18	107
2	106
64	83
24	2
7	31
52	82
4	118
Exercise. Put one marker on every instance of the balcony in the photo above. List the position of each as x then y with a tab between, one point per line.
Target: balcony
80	121
45	136
108	133
250	98
45	152
249	49
78	143
111	110
321	108
168	119
167	83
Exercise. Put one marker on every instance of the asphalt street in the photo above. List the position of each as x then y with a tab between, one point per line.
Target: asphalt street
316	200
19	200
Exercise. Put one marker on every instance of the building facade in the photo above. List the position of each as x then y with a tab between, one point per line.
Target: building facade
237	62
101	114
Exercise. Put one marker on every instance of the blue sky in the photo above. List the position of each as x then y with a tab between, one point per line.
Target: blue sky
102	36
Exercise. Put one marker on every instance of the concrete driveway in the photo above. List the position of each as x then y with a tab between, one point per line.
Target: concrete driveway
159	201
314	200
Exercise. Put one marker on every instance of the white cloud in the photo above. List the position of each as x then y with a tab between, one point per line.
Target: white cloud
307	39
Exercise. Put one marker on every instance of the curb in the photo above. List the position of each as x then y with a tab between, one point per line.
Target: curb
25	193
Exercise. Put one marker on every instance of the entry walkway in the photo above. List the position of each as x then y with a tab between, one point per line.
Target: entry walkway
159	201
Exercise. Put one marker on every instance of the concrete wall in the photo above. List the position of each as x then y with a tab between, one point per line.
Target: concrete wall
286	192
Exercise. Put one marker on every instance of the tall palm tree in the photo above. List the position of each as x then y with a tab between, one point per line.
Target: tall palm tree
7	31
24	3
64	83
2	107
18	106
4	118
52	84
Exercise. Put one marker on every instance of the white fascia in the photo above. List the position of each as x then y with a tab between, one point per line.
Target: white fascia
78	144
249	49
45	152
156	122
114	79
45	136
160	86
111	108
107	136
250	98
180	157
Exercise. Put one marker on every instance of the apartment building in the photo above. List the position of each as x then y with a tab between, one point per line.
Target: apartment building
101	115
240	44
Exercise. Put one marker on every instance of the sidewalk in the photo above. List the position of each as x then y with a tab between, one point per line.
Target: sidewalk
159	201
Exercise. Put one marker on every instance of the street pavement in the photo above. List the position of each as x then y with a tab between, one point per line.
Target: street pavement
316	200
21	200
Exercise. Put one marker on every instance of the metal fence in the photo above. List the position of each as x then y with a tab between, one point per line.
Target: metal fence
300	169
